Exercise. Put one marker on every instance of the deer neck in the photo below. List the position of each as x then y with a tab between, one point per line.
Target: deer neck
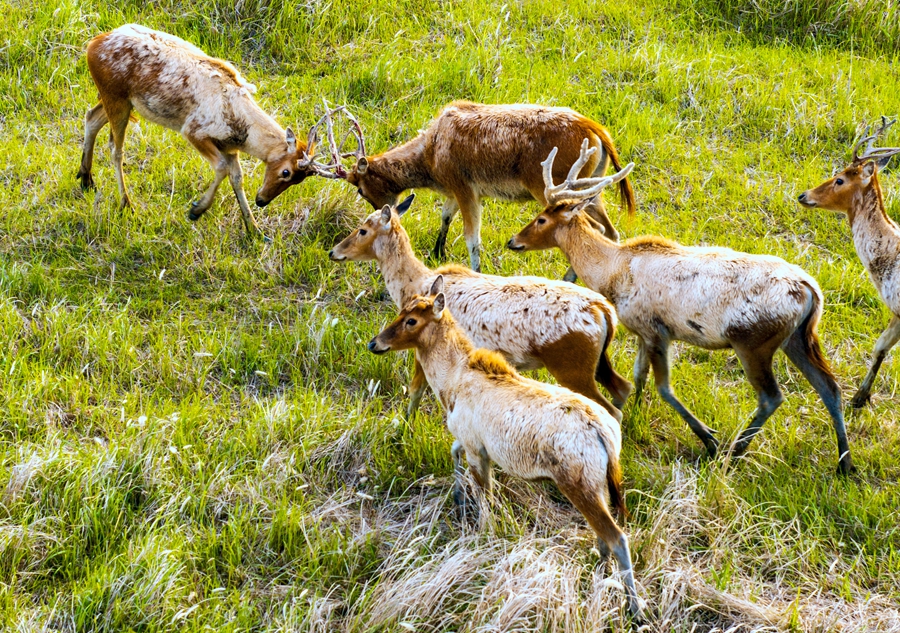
875	236
443	352
404	166
594	257
403	272
265	139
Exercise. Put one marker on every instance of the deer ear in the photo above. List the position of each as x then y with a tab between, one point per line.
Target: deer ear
883	162
438	307
362	165
291	140
437	286
386	215
403	207
571	212
866	172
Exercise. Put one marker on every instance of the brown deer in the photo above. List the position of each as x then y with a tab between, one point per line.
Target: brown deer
534	322
473	151
713	298
856	192
176	85
530	429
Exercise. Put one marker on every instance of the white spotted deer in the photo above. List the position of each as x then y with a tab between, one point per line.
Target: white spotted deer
174	84
530	429
534	322
473	151
857	192
713	298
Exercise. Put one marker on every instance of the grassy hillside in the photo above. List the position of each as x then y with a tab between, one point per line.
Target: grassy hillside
193	436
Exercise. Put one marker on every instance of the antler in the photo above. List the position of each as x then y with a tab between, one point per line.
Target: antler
357	132
574	188
872	152
335	169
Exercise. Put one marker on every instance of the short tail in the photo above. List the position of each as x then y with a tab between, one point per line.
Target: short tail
626	193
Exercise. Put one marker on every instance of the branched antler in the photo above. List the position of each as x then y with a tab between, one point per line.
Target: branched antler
872	152
574	188
309	162
337	153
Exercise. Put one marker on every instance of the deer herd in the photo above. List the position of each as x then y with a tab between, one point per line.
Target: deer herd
472	332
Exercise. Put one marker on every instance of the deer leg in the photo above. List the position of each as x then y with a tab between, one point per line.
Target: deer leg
236	177
885	342
659	360
757	363
118	123
806	354
459	486
448	210
480	467
220	165
94	121
589	500
641	368
470	207
416	389
573	361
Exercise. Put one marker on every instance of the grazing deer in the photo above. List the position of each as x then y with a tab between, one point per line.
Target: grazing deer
472	150
856	192
534	322
175	84
531	429
713	298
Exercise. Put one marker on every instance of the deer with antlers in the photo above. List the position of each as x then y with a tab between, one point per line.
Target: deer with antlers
175	84
857	192
473	151
713	298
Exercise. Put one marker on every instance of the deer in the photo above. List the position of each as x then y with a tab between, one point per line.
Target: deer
713	298
530	429
175	84
473	151
856	192
533	322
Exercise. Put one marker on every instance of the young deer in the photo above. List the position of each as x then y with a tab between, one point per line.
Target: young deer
472	151
534	322
531	429
856	192
175	84
713	298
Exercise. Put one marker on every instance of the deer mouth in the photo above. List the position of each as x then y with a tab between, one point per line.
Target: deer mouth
511	245
373	347
806	202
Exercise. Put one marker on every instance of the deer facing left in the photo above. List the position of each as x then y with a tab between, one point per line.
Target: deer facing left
176	85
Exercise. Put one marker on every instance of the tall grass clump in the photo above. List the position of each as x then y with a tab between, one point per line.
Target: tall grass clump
872	26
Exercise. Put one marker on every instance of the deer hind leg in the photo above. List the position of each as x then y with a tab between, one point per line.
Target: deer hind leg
119	113
757	363
808	358
641	369
94	121
448	211
219	163
885	342
659	359
573	361
610	538
236	177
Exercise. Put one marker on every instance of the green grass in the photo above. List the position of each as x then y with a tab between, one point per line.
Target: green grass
193	436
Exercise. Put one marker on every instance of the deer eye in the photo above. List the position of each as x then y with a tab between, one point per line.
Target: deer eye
363	231
542	221
286	173
410	322
839	181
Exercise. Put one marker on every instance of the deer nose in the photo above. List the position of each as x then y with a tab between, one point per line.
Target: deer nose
511	245
802	197
261	202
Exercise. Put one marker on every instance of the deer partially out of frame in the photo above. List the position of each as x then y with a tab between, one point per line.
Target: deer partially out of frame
176	85
713	298
534	322
530	429
857	192
473	151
